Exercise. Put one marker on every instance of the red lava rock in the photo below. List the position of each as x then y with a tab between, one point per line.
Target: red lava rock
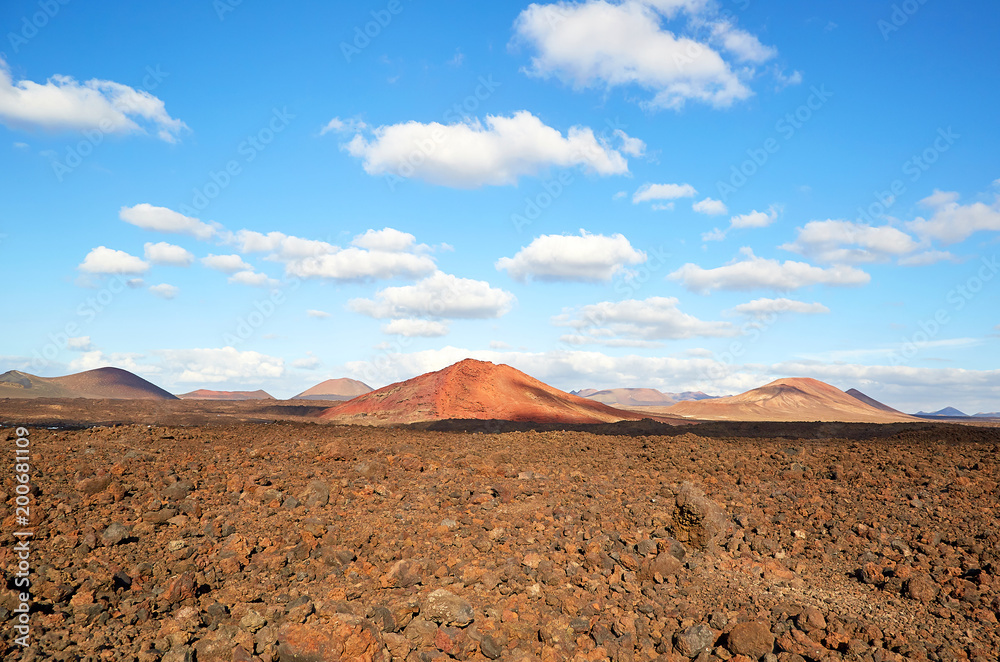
752	639
343	637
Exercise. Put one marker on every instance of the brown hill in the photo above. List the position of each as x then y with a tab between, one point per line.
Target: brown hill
473	389
335	389
102	383
868	400
205	394
639	397
629	397
793	399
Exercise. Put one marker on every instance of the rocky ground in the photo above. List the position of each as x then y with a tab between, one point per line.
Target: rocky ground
295	541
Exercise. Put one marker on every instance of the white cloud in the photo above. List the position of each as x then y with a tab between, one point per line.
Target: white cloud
499	344
161	219
413	328
164	291
629	145
280	245
472	154
583	257
951	222
439	296
755	219
93	359
926	258
710	207
228	264
745	46
61	103
663	192
103	260
359	264
754	272
656	318
597	43
765	307
318	314
168	254
252	278
307	363
835	241
338	125
80	343
386	239
715	234
221	364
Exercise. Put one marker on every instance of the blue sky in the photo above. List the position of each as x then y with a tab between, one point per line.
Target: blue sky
680	194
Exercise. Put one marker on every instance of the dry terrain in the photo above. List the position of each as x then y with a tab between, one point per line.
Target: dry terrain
214	535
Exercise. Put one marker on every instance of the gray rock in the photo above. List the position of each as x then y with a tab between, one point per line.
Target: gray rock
445	607
115	534
692	641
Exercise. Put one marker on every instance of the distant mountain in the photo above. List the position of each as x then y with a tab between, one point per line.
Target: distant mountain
102	383
793	399
473	389
855	393
638	397
992	414
335	389
947	411
205	394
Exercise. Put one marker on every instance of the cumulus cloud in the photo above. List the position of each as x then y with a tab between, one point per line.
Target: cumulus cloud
95	358
835	241
416	328
951	222
648	192
228	264
584	257
439	296
386	239
161	219
656	318
252	278
754	272
62	103
168	254
472	154
338	125
318	314
605	44
280	245
212	365
164	291
766	307
103	260
79	343
710	207
754	219
360	264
